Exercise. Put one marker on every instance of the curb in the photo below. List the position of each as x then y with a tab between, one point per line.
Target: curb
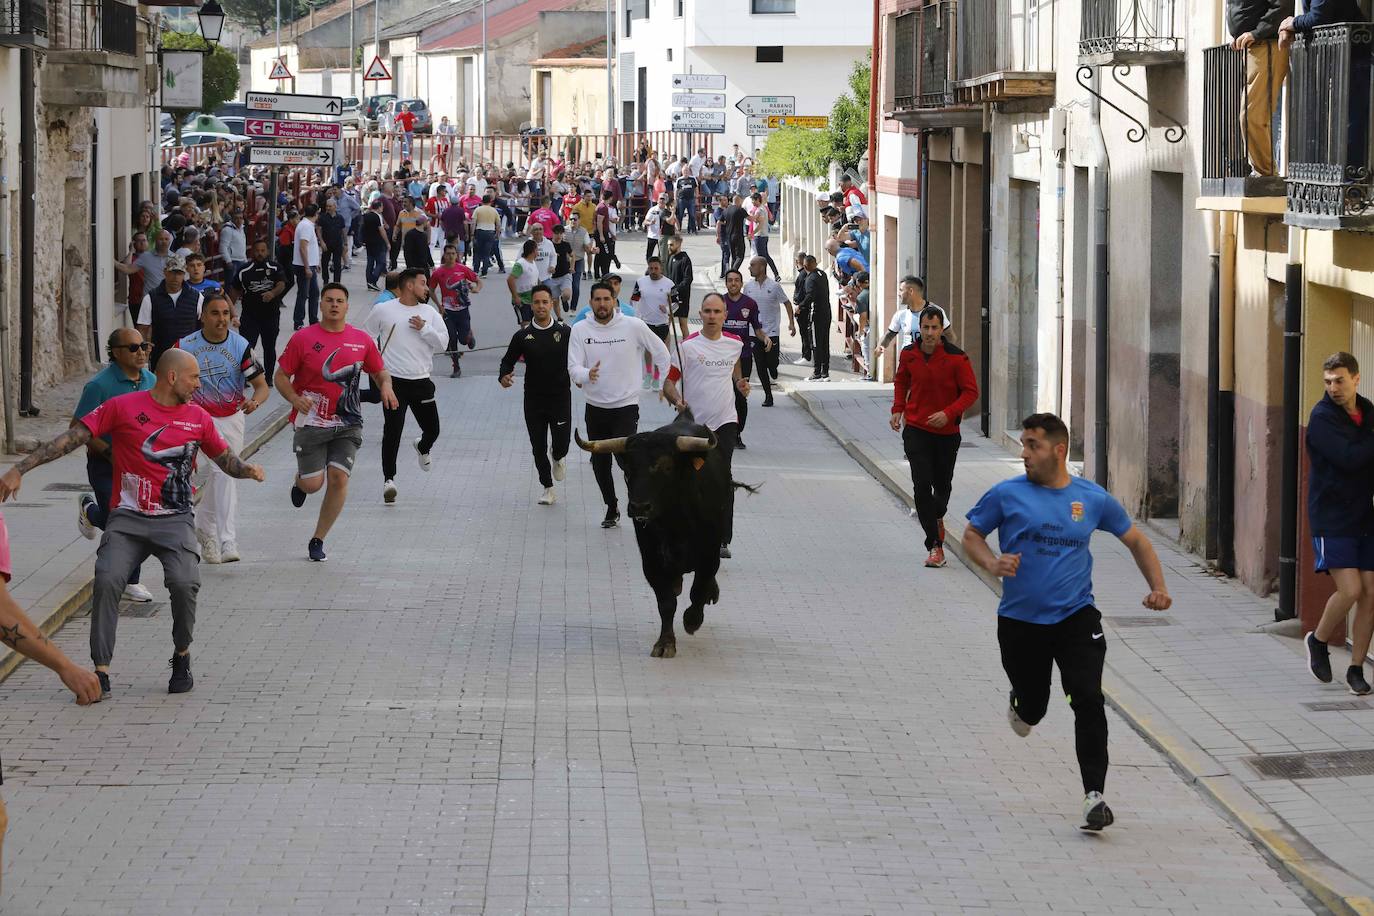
1337	889
77	586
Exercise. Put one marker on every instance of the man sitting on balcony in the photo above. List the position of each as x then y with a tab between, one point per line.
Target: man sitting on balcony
1254	26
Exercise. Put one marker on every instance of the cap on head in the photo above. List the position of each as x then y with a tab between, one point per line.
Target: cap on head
174	263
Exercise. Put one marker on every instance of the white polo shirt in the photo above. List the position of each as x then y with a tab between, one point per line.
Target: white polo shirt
770	296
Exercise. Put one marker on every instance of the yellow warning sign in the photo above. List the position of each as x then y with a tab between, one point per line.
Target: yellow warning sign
811	121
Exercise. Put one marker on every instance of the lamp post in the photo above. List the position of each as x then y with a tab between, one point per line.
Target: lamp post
211	18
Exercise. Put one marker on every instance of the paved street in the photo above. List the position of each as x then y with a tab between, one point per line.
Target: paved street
458	714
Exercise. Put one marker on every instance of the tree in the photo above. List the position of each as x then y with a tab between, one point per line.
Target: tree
795	151
219	76
261	15
848	130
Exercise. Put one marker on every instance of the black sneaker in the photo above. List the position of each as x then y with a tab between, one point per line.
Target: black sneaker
1096	814
297	496
612	519
1354	677
739	444
104	684
181	681
316	549
725	551
1318	658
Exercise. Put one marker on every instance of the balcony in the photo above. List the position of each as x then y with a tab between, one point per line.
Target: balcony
1004	54
1130	32
923	94
24	24
1226	168
1330	168
96	57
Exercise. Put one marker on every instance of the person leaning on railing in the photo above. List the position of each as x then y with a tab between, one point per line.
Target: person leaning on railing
1330	12
1254	26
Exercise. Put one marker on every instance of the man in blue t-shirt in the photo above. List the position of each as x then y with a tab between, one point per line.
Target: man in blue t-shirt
1044	521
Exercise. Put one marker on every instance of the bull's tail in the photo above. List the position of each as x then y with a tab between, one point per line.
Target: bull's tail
750	489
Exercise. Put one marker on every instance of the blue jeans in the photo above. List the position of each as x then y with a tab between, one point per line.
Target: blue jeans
376	264
100	473
307	293
486	245
688	205
576	282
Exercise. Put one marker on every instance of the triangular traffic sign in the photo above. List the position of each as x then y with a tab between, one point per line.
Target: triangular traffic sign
279	71
377	70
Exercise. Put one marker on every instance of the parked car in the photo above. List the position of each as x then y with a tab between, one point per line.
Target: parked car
424	122
196	139
350	108
370	108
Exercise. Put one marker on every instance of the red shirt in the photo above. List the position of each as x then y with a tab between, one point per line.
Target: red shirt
155	450
853	196
942	383
405	120
569	201
451	284
327	367
546	218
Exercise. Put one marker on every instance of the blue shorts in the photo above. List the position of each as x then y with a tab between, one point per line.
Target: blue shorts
1344	553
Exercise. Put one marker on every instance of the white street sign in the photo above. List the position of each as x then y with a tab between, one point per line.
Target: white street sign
759	105
291	155
698	100
699	120
698	81
757	127
288	102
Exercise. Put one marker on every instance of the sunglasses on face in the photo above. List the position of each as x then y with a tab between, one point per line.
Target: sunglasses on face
135	347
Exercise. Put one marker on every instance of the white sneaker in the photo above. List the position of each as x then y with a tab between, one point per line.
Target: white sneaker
209	552
423	456
549	497
136	592
83	522
1018	725
229	552
560	469
389	492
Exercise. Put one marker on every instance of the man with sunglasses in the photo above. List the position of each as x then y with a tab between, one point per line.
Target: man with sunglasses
126	373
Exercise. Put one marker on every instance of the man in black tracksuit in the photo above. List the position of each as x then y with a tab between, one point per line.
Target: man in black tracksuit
803	310
816	299
415	246
1340	513
548	388
679	270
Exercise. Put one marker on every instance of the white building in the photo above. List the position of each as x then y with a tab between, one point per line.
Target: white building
801	48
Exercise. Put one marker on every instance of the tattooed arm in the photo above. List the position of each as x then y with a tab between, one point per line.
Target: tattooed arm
69	441
234	466
18	632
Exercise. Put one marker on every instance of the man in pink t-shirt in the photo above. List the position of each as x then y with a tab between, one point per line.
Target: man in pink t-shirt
542	216
155	436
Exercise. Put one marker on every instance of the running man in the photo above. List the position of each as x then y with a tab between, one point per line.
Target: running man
456	283
543	345
742	320
905	326
409	333
932	388
1044	521
523	277
651	299
707	379
319	375
771	299
156	436
606	359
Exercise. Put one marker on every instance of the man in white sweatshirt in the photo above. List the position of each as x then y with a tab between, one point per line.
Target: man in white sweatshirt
408	332
606	360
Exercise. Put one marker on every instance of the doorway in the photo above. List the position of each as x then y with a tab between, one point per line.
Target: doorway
1166	315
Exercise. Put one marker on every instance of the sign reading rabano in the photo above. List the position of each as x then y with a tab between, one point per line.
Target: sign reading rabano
181	79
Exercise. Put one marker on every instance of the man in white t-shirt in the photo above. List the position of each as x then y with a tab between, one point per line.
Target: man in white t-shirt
305	258
695	164
706	379
545	257
658	220
650	298
906	324
770	298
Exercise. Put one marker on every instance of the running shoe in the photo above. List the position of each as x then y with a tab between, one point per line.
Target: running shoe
181	680
911	513
612	519
297	496
389	491
84	503
768	401
422	457
1318	658
725	551
1018	725
549	497
316	549
1354	678
739	444
137	593
104	684
813	378
560	469
209	552
457	372
1096	814
229	552
374	287
936	558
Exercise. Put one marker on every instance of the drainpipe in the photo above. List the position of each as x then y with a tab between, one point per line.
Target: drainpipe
28	224
93	249
874	61
5	255
1292	381
924	205
1061	155
1101	285
1226	418
986	284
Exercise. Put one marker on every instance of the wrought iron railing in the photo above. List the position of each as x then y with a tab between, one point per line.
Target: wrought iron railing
1130	27
1000	36
906	27
1330	169
924	37
1223	105
23	22
95	25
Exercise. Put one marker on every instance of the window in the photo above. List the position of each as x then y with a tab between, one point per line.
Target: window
629	17
680	4
772	6
768	54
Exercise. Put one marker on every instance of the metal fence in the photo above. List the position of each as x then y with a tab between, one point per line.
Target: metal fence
921	51
996	36
1130	26
94	25
1223	106
23	22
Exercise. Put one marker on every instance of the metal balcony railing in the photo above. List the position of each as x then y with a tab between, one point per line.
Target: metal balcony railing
95	25
1001	36
1131	30
24	23
1225	157
1330	169
924	37
906	27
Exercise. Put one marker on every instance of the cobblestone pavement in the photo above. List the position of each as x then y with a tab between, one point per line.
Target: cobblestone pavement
458	714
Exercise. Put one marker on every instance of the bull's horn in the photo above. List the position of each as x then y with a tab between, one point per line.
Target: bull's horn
695	443
600	446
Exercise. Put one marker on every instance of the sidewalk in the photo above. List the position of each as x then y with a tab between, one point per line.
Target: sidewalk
1231	705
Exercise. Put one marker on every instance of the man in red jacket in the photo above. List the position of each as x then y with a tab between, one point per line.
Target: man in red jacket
933	387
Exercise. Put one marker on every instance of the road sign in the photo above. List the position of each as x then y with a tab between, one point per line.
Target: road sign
699	100
289	102
756	127
698	81
756	105
293	130
813	121
291	155
279	71
377	70
707	122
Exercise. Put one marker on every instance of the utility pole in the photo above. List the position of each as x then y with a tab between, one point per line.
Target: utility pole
353	47
610	71
482	111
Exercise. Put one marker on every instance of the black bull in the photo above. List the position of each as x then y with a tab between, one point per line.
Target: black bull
679	485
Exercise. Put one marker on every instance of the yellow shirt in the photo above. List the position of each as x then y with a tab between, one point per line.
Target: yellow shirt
485	217
586	214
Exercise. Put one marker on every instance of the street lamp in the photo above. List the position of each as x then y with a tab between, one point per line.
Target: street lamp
211	21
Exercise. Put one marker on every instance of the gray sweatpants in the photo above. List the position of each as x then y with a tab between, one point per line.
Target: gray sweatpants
130	539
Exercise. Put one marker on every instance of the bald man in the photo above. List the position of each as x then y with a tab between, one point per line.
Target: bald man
155	436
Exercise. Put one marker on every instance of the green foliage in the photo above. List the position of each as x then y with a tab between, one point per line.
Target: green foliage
848	130
261	15
794	151
808	153
219	75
